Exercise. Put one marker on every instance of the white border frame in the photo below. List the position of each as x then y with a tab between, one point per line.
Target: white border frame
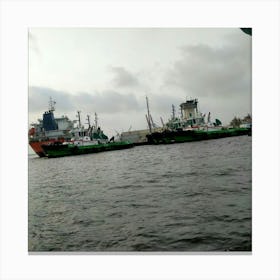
18	16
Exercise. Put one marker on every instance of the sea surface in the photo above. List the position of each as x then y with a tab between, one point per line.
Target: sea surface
189	197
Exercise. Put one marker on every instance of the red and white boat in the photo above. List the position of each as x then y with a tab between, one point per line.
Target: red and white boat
49	130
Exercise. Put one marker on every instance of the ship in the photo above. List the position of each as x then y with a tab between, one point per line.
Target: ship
49	130
83	146
191	126
56	137
91	140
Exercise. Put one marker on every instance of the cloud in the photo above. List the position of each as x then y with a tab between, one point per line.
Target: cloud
123	78
39	99
219	76
109	101
205	71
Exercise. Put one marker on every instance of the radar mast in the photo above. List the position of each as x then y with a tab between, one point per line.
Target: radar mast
51	105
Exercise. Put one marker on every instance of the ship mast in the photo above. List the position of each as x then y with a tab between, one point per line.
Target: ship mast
162	121
51	105
152	122
149	123
173	112
79	118
95	120
209	118
148	117
88	121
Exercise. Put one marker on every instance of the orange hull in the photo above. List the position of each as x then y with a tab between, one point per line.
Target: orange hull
36	146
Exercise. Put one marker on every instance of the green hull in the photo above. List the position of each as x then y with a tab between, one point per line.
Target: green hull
169	137
53	151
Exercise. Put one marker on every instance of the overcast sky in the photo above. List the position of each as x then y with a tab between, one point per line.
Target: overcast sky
110	71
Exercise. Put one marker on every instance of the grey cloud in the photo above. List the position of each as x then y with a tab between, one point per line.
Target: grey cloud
39	99
109	102
206	71
163	104
123	78
220	76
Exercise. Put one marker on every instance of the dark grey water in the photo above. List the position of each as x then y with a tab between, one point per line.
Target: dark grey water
180	197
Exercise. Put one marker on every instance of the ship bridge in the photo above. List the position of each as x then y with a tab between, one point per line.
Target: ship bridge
190	113
189	109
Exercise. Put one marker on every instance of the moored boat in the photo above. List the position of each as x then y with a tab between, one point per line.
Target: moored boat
179	136
49	130
81	147
192	126
54	137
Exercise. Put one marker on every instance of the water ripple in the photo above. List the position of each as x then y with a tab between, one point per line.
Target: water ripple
181	197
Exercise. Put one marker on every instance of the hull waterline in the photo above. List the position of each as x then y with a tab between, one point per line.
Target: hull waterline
59	150
169	137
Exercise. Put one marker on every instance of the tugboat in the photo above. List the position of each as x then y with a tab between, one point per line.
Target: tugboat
83	146
84	141
191	126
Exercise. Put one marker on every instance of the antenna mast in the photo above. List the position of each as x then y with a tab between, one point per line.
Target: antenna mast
95	120
209	118
51	105
79	118
88	121
173	112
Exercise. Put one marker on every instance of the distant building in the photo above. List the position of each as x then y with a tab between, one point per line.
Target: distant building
136	136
